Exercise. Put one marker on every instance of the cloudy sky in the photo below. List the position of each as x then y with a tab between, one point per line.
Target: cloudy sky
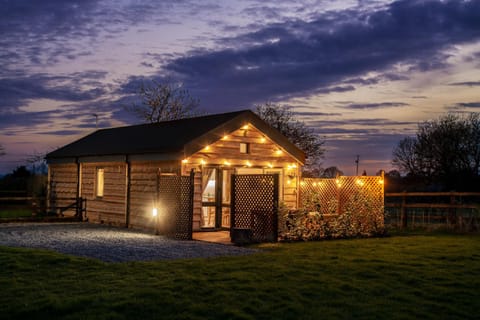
361	73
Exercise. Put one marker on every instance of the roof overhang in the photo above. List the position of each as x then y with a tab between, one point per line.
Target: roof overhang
236	123
118	158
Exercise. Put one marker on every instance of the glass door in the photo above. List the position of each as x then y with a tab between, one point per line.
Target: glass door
216	198
209	195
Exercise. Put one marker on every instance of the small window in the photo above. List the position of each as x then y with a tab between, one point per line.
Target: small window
244	147
100	181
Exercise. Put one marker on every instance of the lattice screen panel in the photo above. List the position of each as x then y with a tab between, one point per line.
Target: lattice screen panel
175	198
323	190
343	193
254	205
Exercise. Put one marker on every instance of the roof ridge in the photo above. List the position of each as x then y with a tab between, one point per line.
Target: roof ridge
206	116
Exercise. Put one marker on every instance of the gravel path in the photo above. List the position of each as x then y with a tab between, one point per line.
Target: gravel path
109	244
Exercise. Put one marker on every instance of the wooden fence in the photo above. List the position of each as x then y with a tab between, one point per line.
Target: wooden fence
460	210
35	207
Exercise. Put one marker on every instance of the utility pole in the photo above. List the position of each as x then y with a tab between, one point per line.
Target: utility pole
96	120
357	162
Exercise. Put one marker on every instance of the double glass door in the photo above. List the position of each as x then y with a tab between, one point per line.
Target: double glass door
216	198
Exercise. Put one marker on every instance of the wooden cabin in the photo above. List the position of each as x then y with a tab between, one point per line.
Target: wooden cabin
116	170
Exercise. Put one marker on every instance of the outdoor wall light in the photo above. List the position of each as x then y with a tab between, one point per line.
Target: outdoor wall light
185	161
291	171
154	212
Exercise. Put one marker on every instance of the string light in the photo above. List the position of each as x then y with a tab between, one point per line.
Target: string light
337	181
360	182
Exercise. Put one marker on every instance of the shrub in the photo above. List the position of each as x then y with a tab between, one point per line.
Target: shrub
359	218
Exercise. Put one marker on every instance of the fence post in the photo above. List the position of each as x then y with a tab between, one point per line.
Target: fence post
78	207
452	212
403	212
275	207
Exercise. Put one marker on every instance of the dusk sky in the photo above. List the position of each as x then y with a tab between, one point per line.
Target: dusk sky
362	73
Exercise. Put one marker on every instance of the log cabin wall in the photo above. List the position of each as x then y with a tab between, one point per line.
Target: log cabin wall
143	190
109	208
120	205
62	186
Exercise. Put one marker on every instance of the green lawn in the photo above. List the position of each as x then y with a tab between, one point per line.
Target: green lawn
434	276
15	213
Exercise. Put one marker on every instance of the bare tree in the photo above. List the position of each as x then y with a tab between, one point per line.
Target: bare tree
405	157
164	101
37	162
283	119
445	151
332	172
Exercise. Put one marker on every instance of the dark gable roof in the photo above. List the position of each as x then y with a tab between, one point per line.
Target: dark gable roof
184	137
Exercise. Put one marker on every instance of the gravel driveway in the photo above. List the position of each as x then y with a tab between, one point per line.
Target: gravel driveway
109	244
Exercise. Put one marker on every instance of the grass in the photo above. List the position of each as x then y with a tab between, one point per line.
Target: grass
432	276
15	213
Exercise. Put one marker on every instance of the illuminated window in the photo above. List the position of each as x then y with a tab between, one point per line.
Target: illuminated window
100	180
244	147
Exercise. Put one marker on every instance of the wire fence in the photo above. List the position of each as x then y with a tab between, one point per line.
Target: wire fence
457	210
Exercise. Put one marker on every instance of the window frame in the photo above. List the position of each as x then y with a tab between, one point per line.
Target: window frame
244	147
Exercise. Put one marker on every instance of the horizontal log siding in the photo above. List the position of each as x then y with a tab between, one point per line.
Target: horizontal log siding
109	209
262	152
143	190
63	184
